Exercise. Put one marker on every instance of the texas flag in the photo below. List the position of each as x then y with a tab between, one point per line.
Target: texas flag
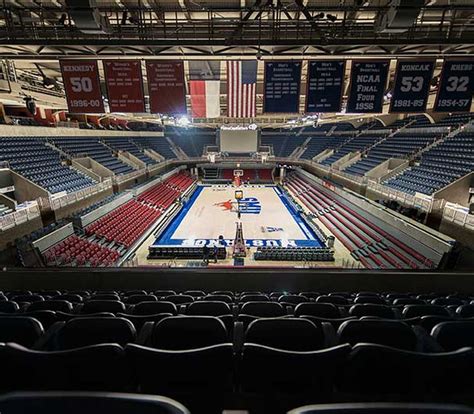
205	88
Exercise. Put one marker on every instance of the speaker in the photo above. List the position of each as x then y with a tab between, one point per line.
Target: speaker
30	105
87	17
400	16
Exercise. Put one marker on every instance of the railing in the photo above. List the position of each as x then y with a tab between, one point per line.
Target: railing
459	215
55	203
420	201
20	216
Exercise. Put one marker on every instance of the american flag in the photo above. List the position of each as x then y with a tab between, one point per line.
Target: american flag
241	88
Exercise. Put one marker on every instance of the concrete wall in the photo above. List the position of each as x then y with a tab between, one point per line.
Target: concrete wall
9	236
130	160
66	211
26	190
384	168
457	192
346	161
7	201
80	165
54	237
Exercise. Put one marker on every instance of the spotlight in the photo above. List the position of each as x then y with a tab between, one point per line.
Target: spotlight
331	17
183	121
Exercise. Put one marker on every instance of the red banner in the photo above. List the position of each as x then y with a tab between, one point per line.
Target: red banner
166	87
124	85
82	86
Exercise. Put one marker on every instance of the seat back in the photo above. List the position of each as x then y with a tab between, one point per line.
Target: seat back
391	333
263	309
292	334
53	305
152	308
411	311
208	308
380	311
320	310
134	299
85	331
9	307
22	330
188	332
75	402
454	335
94	306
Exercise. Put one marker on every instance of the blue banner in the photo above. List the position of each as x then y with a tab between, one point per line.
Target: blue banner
282	87
325	86
456	86
412	86
368	81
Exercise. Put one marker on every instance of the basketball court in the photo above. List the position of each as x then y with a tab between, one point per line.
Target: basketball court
267	217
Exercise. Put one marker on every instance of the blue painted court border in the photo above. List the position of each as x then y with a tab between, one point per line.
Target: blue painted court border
165	239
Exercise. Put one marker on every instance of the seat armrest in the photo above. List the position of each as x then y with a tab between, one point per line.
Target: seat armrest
44	343
330	336
290	310
238	337
145	333
426	341
182	310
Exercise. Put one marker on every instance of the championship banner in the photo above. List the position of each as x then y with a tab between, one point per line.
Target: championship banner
166	87
325	86
124	85
368	81
282	87
412	86
456	86
82	86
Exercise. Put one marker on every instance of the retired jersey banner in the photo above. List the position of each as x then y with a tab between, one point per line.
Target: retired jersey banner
456	86
282	87
412	86
166	87
368	81
82	86
124	85
325	86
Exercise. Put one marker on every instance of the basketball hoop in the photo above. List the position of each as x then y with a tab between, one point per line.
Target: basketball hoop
237	175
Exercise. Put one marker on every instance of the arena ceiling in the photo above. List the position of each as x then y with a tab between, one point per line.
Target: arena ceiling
199	29
35	34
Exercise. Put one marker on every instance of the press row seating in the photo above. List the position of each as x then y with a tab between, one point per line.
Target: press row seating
294	253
